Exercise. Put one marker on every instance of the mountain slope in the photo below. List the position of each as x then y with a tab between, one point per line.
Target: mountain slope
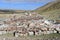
48	7
50	10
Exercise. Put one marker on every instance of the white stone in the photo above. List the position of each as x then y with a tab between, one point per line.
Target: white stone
55	31
48	32
16	35
31	33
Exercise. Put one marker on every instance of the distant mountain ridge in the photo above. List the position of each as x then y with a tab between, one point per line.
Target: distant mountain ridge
11	11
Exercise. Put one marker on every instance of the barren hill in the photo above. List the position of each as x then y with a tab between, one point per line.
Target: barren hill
50	10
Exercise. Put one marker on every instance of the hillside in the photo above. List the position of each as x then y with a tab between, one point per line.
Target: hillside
8	13
11	11
50	10
48	7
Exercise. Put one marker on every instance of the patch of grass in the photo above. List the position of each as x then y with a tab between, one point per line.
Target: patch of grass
7	35
54	35
55	14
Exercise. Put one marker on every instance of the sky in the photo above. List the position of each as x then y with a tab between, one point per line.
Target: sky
22	4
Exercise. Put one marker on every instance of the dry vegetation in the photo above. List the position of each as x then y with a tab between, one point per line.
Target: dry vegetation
50	10
40	37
